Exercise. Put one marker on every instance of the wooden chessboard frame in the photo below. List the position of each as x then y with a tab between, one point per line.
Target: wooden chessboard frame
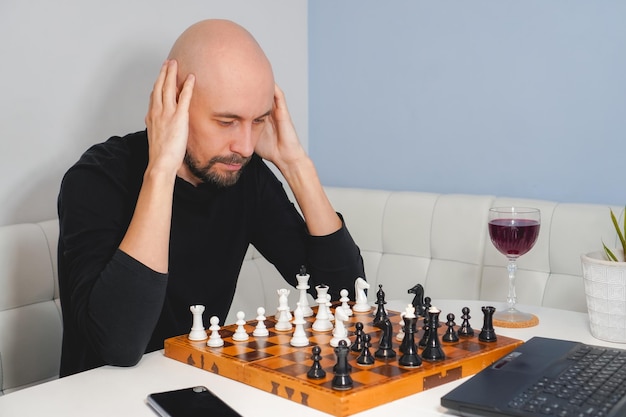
273	365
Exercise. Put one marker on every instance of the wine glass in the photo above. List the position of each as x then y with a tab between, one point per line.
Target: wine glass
513	231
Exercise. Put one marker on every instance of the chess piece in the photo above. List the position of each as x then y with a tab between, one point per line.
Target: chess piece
410	357
215	340
488	334
283	304
366	357
299	337
197	327
450	336
340	332
400	335
466	329
418	299
385	346
303	286
426	330
260	330
316	371
322	320
357	346
344	301
381	313
433	351
240	334
342	380
361	305
329	304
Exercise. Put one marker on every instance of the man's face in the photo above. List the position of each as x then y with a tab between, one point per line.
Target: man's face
225	124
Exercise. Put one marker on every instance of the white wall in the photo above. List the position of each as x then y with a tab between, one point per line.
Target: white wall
76	72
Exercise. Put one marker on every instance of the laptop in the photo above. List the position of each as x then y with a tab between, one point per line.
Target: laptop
546	377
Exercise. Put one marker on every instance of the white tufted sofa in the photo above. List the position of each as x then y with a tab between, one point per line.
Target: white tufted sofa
438	240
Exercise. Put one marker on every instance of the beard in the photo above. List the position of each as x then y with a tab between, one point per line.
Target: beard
207	174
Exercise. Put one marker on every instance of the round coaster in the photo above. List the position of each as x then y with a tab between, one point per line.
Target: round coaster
531	322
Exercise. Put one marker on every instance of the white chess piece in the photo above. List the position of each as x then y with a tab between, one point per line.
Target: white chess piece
340	332
197	327
215	340
361	305
283	304
400	335
303	286
344	301
322	321
299	337
260	329
240	334
283	321
331	316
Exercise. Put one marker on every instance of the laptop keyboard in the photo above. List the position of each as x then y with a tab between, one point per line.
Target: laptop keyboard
590	386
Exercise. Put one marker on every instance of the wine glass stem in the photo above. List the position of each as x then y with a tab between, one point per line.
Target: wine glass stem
512	297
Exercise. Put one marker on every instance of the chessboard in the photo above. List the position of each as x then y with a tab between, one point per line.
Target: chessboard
271	364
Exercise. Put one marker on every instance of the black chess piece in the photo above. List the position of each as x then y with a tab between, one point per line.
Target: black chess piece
357	345
409	357
385	346
316	371
466	329
450	335
342	380
366	358
488	333
381	312
426	330
418	299
433	351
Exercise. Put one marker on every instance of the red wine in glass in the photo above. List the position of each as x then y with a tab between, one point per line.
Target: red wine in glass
513	237
513	232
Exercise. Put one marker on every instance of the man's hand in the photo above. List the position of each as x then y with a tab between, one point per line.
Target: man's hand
279	142
167	119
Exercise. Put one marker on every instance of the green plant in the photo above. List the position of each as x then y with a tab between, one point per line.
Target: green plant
621	234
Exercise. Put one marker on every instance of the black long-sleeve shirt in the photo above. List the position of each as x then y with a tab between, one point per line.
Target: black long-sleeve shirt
115	308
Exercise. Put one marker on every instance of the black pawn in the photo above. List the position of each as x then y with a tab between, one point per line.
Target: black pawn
381	313
450	335
316	371
426	329
409	358
357	346
366	358
488	334
342	380
385	346
433	351
466	330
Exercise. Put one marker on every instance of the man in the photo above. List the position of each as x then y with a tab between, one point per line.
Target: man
158	220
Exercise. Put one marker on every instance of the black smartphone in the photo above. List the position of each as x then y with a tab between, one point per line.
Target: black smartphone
190	402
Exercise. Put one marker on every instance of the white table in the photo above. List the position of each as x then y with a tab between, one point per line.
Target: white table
112	391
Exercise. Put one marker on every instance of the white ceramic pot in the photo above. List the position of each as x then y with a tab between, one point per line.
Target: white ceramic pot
605	289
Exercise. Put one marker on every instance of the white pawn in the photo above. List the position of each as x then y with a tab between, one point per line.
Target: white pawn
215	340
299	337
303	285
260	329
322	320
344	301
331	316
340	332
240	334
197	327
400	335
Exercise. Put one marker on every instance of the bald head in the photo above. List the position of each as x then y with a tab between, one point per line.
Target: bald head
217	49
